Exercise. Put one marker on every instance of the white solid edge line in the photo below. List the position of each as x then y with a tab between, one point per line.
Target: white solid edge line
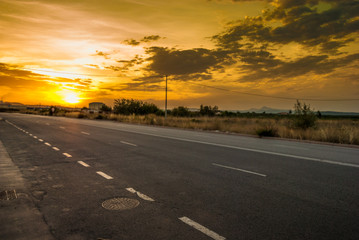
238	169
104	175
141	195
248	149
127	143
86	133
201	228
55	148
67	155
83	163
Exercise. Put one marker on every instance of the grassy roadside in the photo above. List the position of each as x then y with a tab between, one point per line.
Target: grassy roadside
343	131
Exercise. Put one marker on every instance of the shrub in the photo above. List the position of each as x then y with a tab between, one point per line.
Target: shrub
131	106
180	112
267	131
304	117
208	110
99	117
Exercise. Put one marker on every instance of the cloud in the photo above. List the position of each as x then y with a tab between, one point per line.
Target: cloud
131	42
310	64
151	38
299	21
15	77
102	54
146	39
165	61
251	47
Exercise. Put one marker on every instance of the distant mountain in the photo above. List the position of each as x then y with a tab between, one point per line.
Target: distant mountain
265	109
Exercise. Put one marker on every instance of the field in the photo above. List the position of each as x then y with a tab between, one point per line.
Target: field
344	131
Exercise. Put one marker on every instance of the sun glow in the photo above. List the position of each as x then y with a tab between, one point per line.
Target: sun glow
70	97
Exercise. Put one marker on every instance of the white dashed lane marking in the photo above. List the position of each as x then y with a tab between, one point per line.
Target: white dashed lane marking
40	140
127	143
104	175
238	169
67	155
56	149
141	195
48	144
201	228
83	164
86	133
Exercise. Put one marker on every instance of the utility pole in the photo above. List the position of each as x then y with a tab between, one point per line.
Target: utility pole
166	100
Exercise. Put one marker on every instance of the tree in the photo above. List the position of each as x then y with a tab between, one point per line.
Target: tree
106	108
304	115
208	110
132	106
180	112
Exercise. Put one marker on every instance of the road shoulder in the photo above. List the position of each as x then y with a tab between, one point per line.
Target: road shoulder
20	219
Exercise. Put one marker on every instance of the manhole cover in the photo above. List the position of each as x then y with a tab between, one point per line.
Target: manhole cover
8	195
120	203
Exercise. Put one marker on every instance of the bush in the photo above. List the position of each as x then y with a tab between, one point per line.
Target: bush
266	132
180	112
131	106
99	117
304	117
208	110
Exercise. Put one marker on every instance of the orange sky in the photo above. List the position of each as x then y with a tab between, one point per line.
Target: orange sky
235	54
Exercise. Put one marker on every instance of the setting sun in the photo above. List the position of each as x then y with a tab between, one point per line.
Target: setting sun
71	97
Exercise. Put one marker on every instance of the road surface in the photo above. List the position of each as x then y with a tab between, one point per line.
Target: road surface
180	184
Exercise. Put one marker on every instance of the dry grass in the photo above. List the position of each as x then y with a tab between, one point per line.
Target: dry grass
343	131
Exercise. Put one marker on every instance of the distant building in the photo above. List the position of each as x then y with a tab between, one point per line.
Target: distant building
95	106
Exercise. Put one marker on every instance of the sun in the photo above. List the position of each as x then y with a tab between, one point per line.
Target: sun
71	97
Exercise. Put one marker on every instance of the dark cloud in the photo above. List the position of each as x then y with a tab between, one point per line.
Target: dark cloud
146	39
165	61
151	38
131	42
250	45
147	83
301	22
321	64
126	65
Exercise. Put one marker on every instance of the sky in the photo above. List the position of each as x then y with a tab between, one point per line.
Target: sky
235	54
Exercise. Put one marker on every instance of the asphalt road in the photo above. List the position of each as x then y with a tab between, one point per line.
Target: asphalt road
187	184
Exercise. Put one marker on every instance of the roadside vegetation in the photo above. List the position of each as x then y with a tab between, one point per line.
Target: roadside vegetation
303	123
